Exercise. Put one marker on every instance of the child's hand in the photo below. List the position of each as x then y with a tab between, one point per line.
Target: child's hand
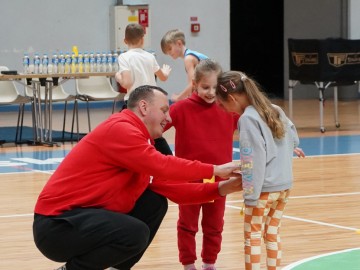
166	69
174	97
118	77
299	152
231	185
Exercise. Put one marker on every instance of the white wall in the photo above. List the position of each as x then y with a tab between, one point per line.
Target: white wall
213	39
49	25
354	19
309	19
46	26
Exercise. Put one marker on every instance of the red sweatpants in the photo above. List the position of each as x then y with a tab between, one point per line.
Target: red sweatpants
212	224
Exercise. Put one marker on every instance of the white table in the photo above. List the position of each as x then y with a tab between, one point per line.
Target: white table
43	131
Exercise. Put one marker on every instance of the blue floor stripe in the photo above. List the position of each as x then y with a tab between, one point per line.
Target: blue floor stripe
319	146
331	145
19	161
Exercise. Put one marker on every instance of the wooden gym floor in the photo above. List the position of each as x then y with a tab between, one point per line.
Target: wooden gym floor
322	216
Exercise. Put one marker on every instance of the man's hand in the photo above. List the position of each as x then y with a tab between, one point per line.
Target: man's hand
234	184
231	169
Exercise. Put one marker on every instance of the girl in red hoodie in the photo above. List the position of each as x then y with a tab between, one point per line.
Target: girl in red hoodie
204	132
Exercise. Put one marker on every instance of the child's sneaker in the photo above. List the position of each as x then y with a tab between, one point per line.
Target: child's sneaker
190	267
209	268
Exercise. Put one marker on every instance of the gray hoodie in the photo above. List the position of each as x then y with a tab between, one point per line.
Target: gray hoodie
266	161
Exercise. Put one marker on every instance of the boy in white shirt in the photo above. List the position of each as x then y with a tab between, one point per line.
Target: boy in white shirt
138	67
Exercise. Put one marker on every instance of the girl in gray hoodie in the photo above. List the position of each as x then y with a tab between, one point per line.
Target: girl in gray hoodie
267	142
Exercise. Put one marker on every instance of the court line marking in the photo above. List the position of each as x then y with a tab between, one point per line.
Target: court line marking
292	265
285	216
321	223
237	150
311	196
19	215
30	171
307	220
325	195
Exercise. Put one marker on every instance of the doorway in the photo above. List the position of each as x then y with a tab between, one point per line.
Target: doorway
257	42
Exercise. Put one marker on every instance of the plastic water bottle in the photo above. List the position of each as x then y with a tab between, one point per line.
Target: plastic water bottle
26	63
103	62
67	66
80	63
36	63
109	62
74	65
61	64
98	62
86	62
92	62
55	62
45	63
115	61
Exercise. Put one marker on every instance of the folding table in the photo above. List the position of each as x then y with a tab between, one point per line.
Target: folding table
326	63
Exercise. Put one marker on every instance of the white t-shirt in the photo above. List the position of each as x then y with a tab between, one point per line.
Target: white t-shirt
142	66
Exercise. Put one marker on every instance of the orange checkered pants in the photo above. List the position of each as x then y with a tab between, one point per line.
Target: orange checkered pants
263	221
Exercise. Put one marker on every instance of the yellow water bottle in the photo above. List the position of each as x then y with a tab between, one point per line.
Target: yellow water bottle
75	50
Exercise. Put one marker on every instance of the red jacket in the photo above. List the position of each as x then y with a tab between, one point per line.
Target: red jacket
204	131
112	166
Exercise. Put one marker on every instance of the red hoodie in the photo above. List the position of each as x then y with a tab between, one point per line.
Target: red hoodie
204	131
113	165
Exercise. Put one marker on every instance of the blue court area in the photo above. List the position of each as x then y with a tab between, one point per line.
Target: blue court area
48	160
331	145
319	146
25	161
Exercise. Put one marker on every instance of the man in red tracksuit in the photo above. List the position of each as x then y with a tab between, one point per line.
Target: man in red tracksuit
105	202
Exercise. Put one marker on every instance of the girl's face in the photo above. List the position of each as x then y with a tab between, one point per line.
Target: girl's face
206	87
228	105
234	103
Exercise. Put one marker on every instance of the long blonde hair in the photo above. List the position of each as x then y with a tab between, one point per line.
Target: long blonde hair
232	82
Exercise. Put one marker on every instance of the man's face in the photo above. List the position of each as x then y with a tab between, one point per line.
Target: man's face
157	115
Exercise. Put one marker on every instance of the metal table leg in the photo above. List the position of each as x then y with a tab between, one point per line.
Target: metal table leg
37	113
337	124
48	114
292	84
322	86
